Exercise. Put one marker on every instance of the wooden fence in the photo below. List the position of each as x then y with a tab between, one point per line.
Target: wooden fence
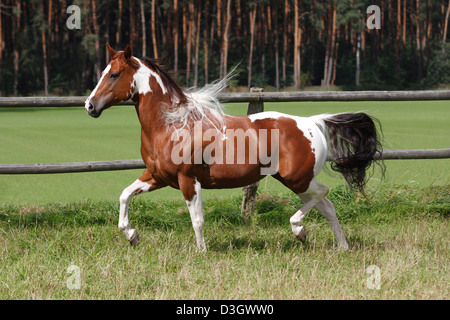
91	166
251	97
256	98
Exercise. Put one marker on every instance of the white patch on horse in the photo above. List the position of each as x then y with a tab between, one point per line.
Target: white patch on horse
133	89
267	115
311	130
319	144
135	188
104	73
142	79
195	206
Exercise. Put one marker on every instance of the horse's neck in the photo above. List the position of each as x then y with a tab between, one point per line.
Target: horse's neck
150	114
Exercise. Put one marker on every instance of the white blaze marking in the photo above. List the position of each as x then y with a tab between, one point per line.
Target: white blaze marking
104	73
142	79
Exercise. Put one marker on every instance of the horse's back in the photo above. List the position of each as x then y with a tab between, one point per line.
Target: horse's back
300	128
301	147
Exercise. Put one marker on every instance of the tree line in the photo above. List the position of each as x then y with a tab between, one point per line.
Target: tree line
283	44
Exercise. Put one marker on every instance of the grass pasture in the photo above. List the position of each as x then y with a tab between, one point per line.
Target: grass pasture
50	222
403	232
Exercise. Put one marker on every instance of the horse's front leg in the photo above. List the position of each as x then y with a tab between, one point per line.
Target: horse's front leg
145	183
192	192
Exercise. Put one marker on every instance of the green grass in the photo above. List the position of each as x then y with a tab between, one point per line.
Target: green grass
48	135
50	222
402	230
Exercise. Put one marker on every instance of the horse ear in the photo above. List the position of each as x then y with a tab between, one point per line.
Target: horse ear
112	52
127	52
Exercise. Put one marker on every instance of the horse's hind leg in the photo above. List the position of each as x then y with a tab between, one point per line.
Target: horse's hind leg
326	208
315	197
192	192
145	183
315	193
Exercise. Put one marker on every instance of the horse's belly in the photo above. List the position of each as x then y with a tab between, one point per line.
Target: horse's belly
220	176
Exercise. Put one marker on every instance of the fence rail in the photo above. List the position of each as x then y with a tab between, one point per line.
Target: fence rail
256	97
72	167
297	96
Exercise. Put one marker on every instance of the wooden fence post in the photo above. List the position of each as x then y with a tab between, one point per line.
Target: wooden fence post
249	192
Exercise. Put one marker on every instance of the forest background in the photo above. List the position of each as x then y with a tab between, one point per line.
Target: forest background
278	45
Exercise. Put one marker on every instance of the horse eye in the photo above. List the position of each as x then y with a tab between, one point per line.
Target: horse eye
114	75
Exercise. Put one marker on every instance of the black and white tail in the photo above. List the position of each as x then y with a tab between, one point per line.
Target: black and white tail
353	141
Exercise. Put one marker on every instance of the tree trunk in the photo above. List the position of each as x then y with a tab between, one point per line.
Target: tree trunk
144	33
238	25
327	52
442	22
107	31
330	50
190	22
219	18
86	65
335	56
175	35
119	24
2	42
133	33
224	49
97	39
50	29
164	31
418	42
197	44
404	22
358	60
297	40
444	37
334	49
426	34
44	50
15	39
262	32
205	42
277	68
154	38
252	40
60	17
285	40
184	26
398	36
313	39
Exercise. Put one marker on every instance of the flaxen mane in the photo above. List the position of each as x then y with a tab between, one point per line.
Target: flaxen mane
191	104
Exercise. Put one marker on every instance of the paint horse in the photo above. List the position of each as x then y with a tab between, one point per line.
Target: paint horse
179	125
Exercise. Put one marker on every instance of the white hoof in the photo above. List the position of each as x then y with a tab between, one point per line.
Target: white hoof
133	237
300	233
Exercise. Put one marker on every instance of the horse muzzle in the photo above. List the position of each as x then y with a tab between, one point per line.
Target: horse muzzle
93	111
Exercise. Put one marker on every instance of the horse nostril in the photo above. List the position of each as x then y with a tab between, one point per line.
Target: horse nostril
91	107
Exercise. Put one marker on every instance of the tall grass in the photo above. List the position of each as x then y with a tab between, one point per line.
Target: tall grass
401	230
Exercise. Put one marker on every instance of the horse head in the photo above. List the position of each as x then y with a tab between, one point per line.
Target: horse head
116	83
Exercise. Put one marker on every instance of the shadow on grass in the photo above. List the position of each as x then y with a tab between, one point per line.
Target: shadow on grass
247	242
